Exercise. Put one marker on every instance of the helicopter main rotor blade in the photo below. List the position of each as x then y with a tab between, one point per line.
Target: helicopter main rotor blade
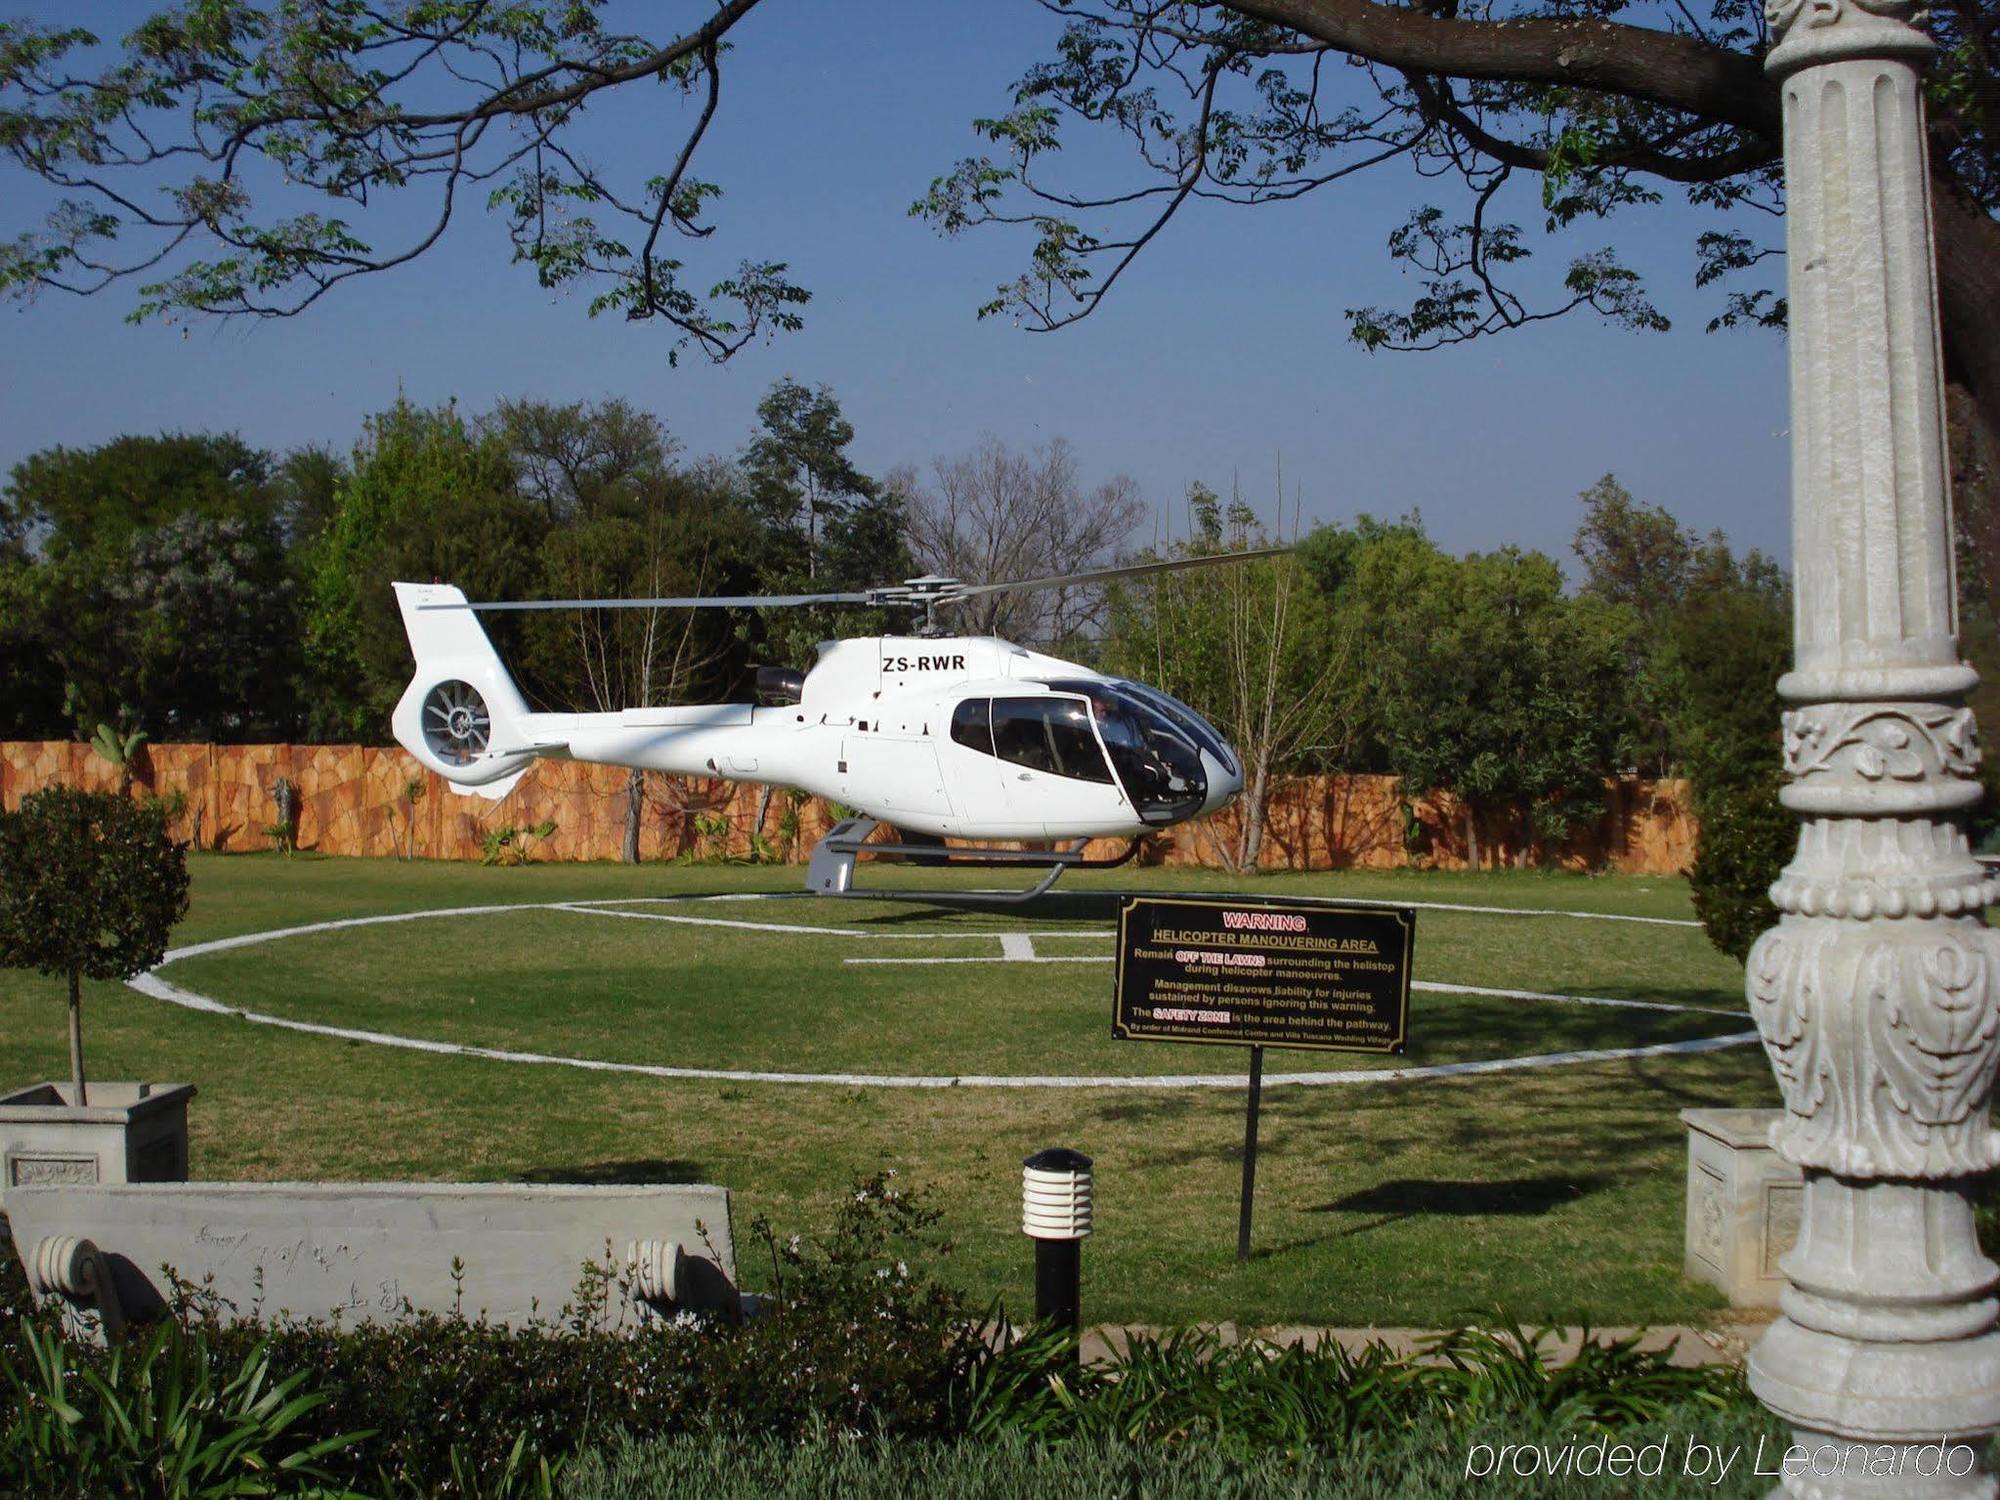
1102	575
735	601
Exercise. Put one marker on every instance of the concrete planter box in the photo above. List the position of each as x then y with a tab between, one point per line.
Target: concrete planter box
1742	1204
129	1132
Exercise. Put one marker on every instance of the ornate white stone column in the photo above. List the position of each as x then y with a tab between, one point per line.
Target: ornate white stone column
1878	993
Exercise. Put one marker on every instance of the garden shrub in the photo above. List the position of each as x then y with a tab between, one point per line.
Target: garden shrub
1248	1398
1428	1458
158	1416
1747	838
880	1377
849	1339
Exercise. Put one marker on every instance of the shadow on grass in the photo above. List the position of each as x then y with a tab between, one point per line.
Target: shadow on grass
1155	1108
639	1172
1405	1197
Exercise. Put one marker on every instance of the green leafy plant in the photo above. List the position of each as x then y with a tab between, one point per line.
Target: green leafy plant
1189	1385
512	844
91	885
173	806
789	816
158	1419
524	1475
284	832
1747	837
711	846
413	793
120	750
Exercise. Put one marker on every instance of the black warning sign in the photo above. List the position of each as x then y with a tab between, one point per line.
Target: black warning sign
1264	973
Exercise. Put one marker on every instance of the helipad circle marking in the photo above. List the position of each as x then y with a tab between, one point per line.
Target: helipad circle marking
150	984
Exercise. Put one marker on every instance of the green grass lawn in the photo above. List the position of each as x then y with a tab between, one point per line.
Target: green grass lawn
1551	1194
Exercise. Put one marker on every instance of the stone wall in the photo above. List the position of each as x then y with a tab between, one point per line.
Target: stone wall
355	799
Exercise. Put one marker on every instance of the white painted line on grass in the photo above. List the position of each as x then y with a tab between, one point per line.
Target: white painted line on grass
1031	958
249	939
152	985
603	909
917	899
1438	987
1542	911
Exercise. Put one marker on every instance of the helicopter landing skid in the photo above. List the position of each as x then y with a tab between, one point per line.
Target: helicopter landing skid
830	871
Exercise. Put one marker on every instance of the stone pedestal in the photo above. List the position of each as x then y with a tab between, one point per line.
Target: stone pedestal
128	1132
1743	1204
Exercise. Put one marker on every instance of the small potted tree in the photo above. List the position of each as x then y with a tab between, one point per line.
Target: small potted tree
91	886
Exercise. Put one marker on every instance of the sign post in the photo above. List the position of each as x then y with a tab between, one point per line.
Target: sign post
1249	1154
1314	975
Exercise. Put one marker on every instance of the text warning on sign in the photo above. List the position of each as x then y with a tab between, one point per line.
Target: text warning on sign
1264	973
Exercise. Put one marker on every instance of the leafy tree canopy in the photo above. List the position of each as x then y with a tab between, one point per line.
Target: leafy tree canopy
1485	678
237	159
193	635
426	496
90	884
83	499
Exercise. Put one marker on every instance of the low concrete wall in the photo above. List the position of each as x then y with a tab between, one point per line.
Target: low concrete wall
371	1251
353	799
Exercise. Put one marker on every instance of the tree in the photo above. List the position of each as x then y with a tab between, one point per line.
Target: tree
31	686
821	525
1711	632
628	524
159	591
1574	113
94	500
307	484
1600	108
1640	558
1633	553
204	630
800	476
995	514
577	460
1252	645
425	497
1714	673
91	886
1486	680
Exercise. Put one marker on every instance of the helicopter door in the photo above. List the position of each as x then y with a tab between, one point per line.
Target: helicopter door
1052	772
984	811
894	775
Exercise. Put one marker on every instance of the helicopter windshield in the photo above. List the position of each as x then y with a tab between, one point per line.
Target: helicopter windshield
1191	723
1157	760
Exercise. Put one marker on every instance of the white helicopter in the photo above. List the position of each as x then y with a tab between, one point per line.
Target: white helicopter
964	737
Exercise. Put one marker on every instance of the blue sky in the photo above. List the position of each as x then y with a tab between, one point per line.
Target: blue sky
1222	353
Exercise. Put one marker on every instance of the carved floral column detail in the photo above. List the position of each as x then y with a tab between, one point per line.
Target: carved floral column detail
1878	993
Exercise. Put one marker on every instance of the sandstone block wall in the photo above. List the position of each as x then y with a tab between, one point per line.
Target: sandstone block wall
356	799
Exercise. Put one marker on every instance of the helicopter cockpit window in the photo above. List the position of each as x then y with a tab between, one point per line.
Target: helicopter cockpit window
1157	758
972	725
1048	734
1191	723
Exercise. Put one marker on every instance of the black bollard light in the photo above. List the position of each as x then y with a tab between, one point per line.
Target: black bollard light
1055	1214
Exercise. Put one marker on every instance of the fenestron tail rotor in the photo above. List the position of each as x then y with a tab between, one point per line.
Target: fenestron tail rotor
457	726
